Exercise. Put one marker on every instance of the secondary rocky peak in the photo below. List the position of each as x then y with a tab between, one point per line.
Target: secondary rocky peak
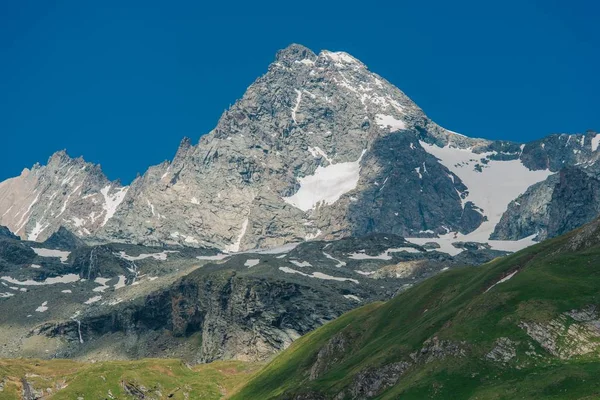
59	158
295	53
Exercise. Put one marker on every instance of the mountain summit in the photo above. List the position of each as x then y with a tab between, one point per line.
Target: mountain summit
318	147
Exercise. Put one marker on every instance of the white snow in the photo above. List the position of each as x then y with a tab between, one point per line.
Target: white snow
295	108
383	256
63	255
489	189
194	201
191	240
251	262
340	56
43	307
366	273
121	282
213	258
305	61
69	278
112	201
92	300
24	221
301	264
388	121
66	291
6	295
37	229
445	242
352	297
102	282
78	222
151	207
162	256
286	248
35	266
314	235
595	142
317	275
326	185
339	263
503	280
235	247
316	152
320	275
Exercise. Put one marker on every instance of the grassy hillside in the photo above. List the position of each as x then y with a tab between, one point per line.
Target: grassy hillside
151	379
462	334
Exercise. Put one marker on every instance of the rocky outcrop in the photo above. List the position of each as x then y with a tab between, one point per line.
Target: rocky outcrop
371	382
504	350
571	334
333	352
555	206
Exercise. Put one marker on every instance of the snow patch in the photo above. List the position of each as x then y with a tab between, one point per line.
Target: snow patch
301	264
595	142
353	297
37	229
213	258
162	256
488	189
502	280
121	282
68	278
112	201
383	256
251	263
63	255
235	247
326	185
316	152
339	263
388	121
93	300
317	275
43	307
295	108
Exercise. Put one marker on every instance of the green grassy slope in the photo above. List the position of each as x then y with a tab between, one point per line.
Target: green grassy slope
121	379
462	323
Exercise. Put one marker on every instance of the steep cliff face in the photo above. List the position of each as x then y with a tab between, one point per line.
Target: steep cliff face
550	208
64	192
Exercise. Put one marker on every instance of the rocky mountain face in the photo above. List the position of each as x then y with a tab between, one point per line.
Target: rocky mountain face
64	192
561	203
318	147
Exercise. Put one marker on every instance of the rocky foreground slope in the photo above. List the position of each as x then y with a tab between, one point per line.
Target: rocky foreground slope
318	147
523	326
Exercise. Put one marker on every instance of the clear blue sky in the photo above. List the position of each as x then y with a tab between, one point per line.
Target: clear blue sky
122	84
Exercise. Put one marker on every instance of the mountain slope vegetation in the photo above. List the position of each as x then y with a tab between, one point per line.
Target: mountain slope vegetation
523	326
